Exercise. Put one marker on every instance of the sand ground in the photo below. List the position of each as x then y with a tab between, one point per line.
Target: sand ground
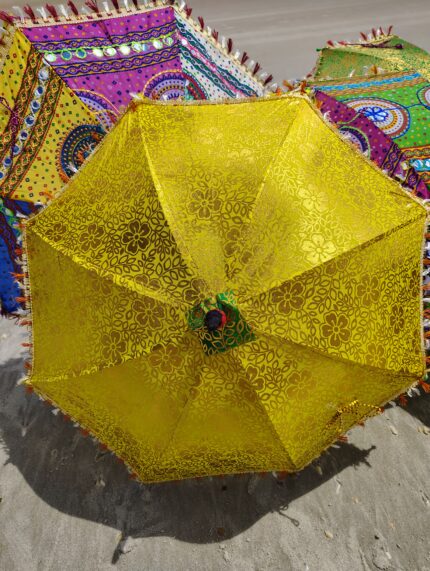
365	505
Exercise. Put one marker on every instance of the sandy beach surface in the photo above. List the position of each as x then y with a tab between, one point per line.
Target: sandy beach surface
364	505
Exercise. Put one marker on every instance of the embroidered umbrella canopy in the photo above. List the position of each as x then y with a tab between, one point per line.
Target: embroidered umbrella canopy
378	49
244	289
371	141
397	103
46	134
157	49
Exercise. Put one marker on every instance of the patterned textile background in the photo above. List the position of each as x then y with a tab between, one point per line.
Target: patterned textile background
46	134
397	103
160	52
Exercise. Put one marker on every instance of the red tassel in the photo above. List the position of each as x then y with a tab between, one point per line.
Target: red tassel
425	386
29	389
18	252
282	475
257	68
229	45
268	79
244	58
135	3
52	10
363	36
390	29
29	11
24	322
92	5
27	365
6	17
201	22
73	8
403	401
188	11
27	344
374	32
84	432
66	417
115	5
215	35
343	438
330	43
132	476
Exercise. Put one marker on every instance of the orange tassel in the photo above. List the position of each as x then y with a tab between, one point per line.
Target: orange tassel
403	401
27	365
24	322
425	386
47	194
84	432
18	276
27	344
343	438
21	299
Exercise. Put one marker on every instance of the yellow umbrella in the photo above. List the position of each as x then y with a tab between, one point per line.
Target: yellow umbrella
225	288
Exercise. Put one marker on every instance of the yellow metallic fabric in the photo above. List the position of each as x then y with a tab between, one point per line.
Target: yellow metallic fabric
319	249
48	114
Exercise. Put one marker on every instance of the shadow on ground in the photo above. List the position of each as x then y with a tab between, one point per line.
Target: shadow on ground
420	408
70	473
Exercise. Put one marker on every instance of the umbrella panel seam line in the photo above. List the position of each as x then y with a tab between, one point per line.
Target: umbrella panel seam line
266	415
270	166
361	246
336	358
108	276
400	190
169	214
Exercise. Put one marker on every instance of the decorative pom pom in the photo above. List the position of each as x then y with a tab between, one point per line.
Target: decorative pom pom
215	319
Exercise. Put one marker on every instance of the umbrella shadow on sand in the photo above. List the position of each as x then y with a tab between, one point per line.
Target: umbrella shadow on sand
420	408
70	473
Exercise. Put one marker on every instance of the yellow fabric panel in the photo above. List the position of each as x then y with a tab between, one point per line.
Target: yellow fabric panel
35	169
320	250
110	221
355	307
311	398
102	324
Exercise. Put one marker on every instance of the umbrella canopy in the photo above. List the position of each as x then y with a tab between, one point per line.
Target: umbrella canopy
398	103
46	134
157	50
372	142
10	236
225	288
380	49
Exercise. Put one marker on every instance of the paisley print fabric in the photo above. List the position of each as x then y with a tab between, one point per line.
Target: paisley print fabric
37	114
160	52
390	53
257	210
398	104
